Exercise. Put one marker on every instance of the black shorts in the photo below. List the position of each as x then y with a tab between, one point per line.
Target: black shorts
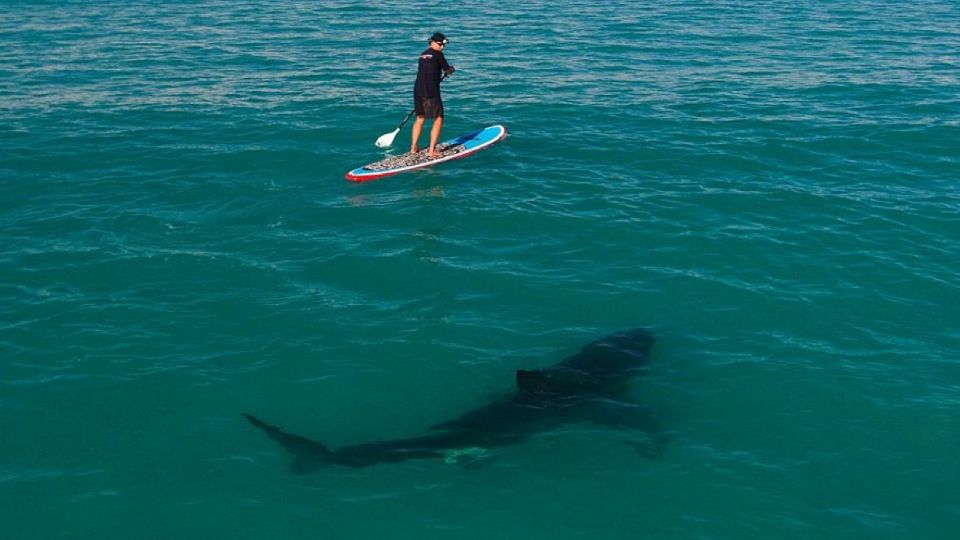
430	107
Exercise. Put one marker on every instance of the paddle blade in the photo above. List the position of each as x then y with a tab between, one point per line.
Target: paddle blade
386	139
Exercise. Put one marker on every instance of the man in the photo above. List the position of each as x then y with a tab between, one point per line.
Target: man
426	93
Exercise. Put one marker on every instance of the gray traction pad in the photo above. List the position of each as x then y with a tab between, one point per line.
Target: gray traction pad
408	159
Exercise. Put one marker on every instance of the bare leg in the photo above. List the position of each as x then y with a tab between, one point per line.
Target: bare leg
415	134
435	136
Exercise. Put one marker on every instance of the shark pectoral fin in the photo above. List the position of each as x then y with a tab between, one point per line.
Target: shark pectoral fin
628	415
307	455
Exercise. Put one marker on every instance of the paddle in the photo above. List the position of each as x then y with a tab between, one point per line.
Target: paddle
386	139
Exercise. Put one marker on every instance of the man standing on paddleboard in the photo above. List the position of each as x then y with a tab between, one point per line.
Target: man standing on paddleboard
426	93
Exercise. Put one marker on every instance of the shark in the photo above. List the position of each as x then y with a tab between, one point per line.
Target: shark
591	386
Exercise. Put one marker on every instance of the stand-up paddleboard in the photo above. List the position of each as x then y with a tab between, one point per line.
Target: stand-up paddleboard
460	147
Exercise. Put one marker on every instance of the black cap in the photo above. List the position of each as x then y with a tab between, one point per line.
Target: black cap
439	38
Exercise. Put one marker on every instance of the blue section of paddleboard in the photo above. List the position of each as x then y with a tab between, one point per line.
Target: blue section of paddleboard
478	138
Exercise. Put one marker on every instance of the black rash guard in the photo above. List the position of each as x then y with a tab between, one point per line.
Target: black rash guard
432	65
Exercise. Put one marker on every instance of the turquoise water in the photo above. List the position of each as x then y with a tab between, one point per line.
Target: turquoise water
770	187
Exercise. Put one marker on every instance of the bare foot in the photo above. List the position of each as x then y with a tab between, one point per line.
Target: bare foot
414	149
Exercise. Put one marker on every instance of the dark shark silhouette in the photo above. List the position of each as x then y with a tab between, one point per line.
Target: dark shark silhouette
589	386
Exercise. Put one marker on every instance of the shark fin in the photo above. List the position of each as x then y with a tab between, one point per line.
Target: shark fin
629	415
307	455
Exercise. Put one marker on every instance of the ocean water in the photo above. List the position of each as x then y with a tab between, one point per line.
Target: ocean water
769	187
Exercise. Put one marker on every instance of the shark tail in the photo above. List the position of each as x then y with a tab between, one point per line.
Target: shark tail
307	455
